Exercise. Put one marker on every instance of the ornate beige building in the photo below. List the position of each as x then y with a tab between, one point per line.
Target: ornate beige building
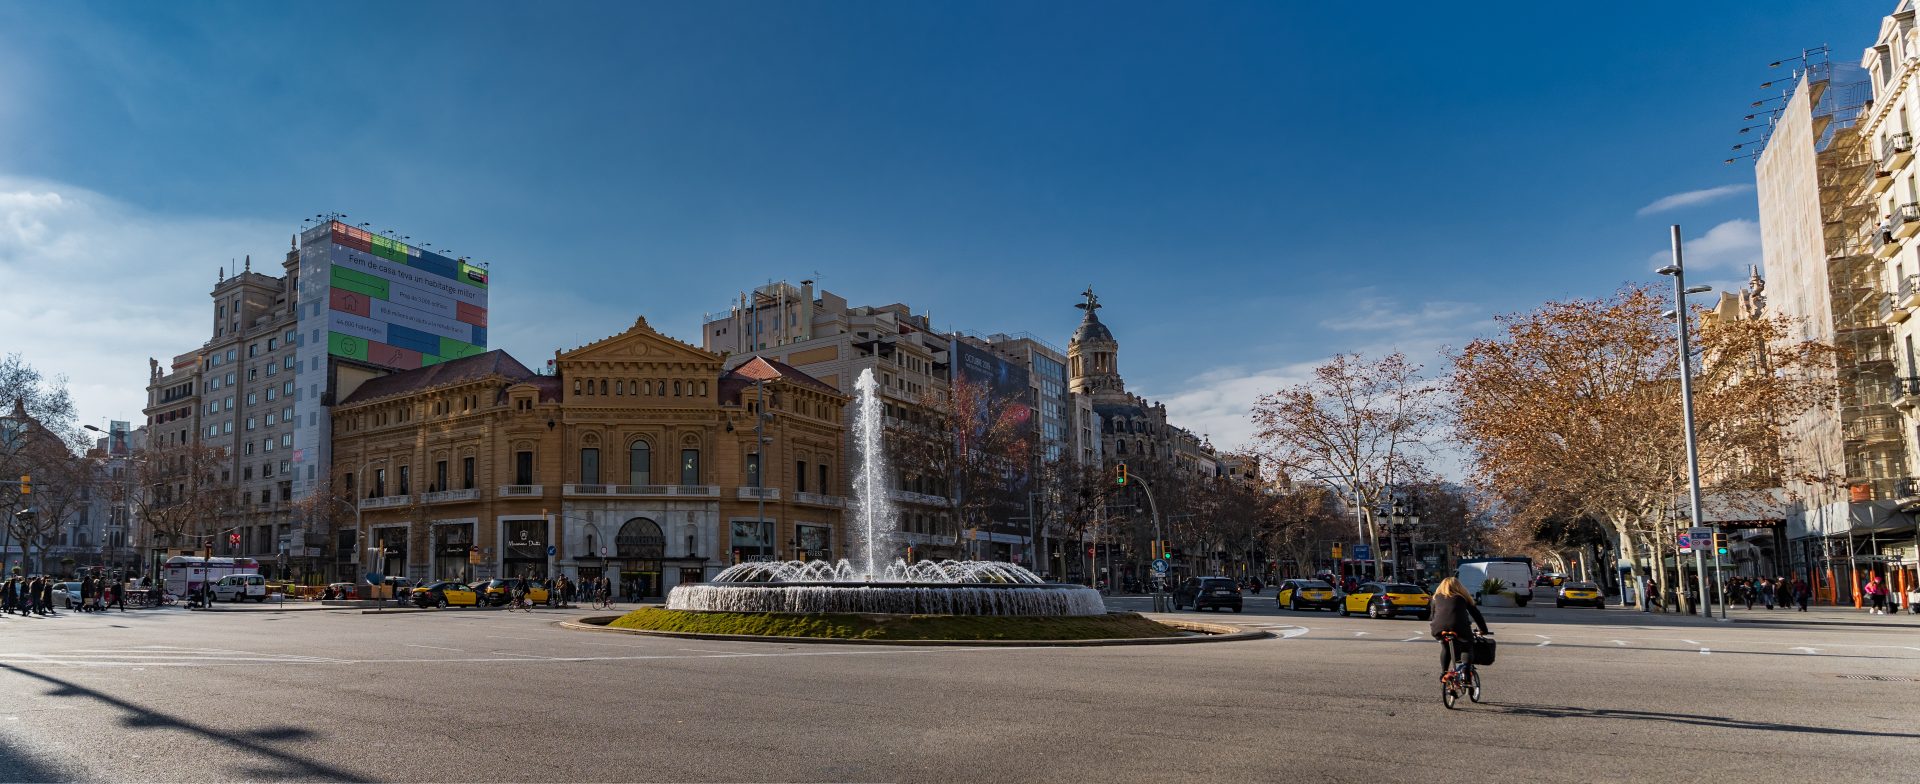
637	459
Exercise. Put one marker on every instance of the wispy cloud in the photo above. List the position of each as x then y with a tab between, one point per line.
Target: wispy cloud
1693	198
1727	246
94	286
1383	314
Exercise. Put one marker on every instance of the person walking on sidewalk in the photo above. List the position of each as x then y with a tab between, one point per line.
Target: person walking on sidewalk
1765	589
1801	593
1876	592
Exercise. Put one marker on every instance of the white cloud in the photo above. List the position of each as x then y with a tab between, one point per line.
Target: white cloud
93	287
1727	246
1693	198
1381	314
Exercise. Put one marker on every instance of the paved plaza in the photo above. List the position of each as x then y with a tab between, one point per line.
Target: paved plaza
1577	695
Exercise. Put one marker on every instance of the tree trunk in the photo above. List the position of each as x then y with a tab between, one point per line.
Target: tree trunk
1629	552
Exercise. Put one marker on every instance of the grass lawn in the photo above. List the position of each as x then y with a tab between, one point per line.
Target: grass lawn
897	627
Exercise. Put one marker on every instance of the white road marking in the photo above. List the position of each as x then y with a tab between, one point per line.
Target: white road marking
724	653
1705	651
1544	643
1361	634
1621	643
525	655
1805	648
1413	638
1691	642
435	647
503	637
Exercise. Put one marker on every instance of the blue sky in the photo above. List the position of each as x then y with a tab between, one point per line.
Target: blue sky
1251	186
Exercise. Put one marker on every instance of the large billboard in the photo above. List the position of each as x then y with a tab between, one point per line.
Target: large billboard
398	306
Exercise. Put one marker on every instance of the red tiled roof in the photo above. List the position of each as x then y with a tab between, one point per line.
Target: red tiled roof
464	369
763	369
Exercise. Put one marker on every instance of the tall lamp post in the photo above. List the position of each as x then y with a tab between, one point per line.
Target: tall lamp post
1402	519
1680	292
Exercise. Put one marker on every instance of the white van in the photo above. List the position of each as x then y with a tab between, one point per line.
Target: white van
240	587
1515	573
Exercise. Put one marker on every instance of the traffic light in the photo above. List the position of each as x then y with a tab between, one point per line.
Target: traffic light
1167	553
233	539
26	484
1120	474
910	554
1719	543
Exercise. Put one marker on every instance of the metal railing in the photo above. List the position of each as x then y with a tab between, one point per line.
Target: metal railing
1896	144
385	501
451	496
769	493
521	490
702	491
817	499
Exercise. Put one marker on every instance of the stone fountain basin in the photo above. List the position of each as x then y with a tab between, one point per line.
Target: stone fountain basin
890	598
1177	631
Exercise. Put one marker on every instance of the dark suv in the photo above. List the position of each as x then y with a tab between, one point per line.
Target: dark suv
1207	593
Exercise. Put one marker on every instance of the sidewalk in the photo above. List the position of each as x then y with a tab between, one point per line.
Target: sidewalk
1815	615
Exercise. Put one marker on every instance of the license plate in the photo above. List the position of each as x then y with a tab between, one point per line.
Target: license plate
1222	593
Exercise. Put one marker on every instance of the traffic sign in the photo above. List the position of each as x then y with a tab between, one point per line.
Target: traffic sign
1363	552
1160	567
1686	542
551	550
1336	549
375	578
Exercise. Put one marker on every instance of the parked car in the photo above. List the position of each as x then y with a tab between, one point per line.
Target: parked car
446	593
1587	594
71	592
1386	600
1306	595
240	587
1208	593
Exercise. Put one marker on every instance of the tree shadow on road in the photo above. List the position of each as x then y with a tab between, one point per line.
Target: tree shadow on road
17	765
1696	719
273	762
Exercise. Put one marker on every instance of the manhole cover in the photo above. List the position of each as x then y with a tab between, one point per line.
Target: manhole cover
1893	678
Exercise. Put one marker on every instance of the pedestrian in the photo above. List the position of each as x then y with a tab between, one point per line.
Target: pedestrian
1766	592
43	590
1746	592
86	594
1876	592
120	594
1801	592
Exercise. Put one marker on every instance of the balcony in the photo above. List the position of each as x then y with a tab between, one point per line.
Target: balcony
1907	493
1884	245
923	499
816	499
451	496
640	491
1877	179
1905	221
1880	428
1909	293
757	493
386	502
1892	312
1906	392
1896	150
521	491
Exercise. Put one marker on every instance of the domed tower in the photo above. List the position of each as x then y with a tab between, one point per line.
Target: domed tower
1093	356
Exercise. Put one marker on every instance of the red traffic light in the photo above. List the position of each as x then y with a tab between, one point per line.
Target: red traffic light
234	539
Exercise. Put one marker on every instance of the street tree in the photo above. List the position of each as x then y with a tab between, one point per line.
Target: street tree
976	443
1573	411
179	489
1356	424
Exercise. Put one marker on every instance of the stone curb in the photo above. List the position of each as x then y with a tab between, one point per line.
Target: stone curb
1213	633
1873	624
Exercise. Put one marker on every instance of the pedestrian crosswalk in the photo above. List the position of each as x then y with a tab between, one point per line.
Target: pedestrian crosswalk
158	656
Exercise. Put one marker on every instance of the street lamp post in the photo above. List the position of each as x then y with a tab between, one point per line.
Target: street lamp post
1680	292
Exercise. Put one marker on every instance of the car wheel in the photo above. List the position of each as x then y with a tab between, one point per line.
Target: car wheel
1427	616
1561	605
443	603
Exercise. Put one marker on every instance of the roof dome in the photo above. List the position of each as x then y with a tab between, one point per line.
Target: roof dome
1092	329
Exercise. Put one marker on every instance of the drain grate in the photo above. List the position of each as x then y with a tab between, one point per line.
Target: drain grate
1892	678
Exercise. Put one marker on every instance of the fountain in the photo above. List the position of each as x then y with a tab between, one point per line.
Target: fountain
925	588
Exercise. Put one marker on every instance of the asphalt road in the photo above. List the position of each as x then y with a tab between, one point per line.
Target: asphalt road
461	695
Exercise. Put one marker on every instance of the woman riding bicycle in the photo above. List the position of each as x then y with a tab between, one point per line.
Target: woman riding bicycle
1454	616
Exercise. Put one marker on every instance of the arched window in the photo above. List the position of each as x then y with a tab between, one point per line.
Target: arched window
1121	446
639	464
640	540
676	389
662	389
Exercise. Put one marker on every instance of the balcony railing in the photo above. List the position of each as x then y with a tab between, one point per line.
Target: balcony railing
1892	312
1877	178
1884	244
1907	489
816	499
753	493
1909	292
451	496
385	501
910	497
1897	150
1905	221
641	491
1906	392
511	491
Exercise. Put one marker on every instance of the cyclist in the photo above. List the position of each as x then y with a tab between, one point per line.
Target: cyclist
1454	616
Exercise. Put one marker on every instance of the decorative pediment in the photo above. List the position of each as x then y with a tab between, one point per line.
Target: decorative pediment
640	343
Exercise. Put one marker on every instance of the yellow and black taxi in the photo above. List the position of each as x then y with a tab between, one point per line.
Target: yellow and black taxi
500	589
1307	595
446	594
1386	600
1579	593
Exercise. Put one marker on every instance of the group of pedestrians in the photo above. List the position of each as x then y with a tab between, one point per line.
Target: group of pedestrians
27	596
1768	592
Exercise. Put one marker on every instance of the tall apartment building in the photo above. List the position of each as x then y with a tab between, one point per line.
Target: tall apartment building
830	340
1822	184
349	306
1891	195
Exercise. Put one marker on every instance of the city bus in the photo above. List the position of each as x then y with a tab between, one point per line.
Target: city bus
182	575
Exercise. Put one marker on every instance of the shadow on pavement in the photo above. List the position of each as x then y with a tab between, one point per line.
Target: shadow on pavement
16	765
280	764
1701	720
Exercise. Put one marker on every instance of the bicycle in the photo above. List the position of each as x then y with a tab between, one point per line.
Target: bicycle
1463	677
603	601
519	602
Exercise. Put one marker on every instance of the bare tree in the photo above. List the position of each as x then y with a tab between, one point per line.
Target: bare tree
1357	424
1573	411
976	443
178	491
